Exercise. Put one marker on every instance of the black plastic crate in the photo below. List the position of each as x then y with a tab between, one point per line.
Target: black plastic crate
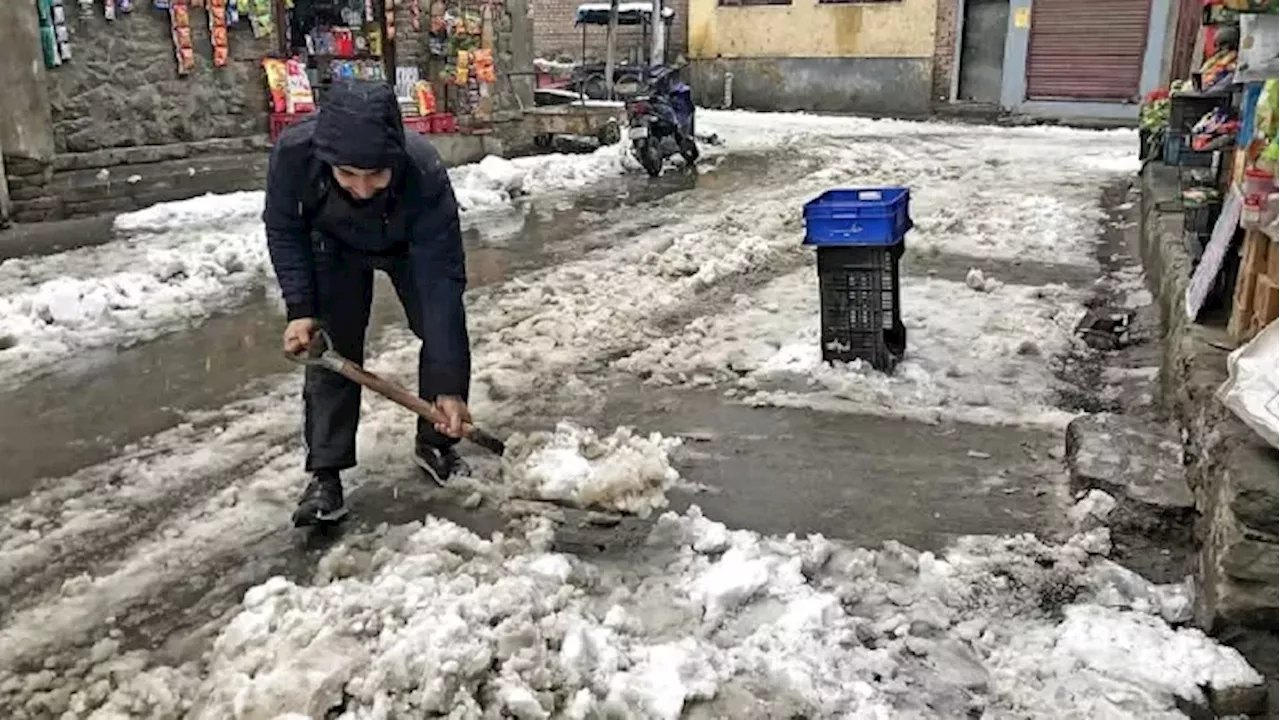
862	305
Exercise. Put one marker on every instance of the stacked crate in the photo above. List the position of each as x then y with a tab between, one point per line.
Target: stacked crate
859	235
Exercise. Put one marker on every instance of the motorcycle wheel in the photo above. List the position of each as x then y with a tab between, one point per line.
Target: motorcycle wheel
689	150
650	156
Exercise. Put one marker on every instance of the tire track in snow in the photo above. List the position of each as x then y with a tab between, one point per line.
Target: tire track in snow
532	328
124	511
512	321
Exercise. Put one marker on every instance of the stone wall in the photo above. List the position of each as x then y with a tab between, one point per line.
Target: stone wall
1232	473
121	87
131	132
944	50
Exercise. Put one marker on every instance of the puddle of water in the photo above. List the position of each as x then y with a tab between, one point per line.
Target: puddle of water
862	478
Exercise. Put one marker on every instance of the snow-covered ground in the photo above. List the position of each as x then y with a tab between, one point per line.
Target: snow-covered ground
977	191
702	620
975	355
179	262
429	618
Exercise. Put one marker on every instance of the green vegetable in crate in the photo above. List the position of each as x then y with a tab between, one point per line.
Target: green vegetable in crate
1155	115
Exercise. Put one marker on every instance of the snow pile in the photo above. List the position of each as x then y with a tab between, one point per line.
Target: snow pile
182	261
622	472
496	181
206	209
431	619
980	357
124	292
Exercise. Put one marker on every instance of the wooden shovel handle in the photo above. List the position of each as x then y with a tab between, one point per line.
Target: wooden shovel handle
395	393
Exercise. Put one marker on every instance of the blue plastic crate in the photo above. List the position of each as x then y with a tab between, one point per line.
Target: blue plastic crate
858	216
1178	154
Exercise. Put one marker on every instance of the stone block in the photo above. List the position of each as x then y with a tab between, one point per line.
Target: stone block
103	205
37	210
118	156
29	192
21	166
1132	459
1250	474
1222	601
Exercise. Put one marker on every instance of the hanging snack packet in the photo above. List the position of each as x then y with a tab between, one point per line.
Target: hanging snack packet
300	99
460	71
425	97
277	83
482	59
473	22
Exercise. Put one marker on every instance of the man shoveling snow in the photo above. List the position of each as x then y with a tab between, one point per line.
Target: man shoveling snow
347	194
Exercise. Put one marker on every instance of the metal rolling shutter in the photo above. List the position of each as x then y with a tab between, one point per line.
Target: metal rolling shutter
1086	49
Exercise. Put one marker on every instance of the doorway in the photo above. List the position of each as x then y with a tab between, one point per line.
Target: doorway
986	23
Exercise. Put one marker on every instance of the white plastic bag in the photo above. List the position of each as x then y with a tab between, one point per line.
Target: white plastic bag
1251	390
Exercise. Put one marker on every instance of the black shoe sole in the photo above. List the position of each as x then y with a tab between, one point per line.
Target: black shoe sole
329	518
431	473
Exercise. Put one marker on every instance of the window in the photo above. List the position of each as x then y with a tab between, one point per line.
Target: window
752	3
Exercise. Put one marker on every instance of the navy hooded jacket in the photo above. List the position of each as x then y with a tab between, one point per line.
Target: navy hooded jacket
359	125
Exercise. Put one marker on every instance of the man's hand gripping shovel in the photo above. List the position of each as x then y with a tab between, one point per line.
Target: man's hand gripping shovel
320	353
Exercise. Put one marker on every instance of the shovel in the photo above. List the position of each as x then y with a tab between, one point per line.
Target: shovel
320	353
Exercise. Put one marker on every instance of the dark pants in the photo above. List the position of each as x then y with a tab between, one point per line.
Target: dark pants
344	294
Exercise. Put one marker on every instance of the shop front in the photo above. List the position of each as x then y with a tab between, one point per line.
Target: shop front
1209	239
445	76
1053	59
147	101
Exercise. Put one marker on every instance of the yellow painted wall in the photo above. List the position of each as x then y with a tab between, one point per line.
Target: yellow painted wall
807	29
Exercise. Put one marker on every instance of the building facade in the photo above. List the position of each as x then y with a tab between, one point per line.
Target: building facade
870	56
556	37
1053	59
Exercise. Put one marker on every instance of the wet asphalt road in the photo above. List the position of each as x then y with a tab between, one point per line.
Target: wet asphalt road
776	470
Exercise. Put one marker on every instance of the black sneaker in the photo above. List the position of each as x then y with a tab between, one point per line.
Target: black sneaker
322	502
439	464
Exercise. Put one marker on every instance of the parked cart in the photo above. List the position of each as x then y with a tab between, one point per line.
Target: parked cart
597	119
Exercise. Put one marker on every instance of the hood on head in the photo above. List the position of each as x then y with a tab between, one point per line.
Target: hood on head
359	126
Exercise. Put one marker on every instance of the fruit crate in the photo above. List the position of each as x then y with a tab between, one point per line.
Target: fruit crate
861	301
279	121
443	123
417	123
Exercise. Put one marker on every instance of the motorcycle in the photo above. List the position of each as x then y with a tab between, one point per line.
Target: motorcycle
660	121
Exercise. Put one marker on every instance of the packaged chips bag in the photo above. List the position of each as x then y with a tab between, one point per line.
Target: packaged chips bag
298	88
482	61
425	97
277	83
